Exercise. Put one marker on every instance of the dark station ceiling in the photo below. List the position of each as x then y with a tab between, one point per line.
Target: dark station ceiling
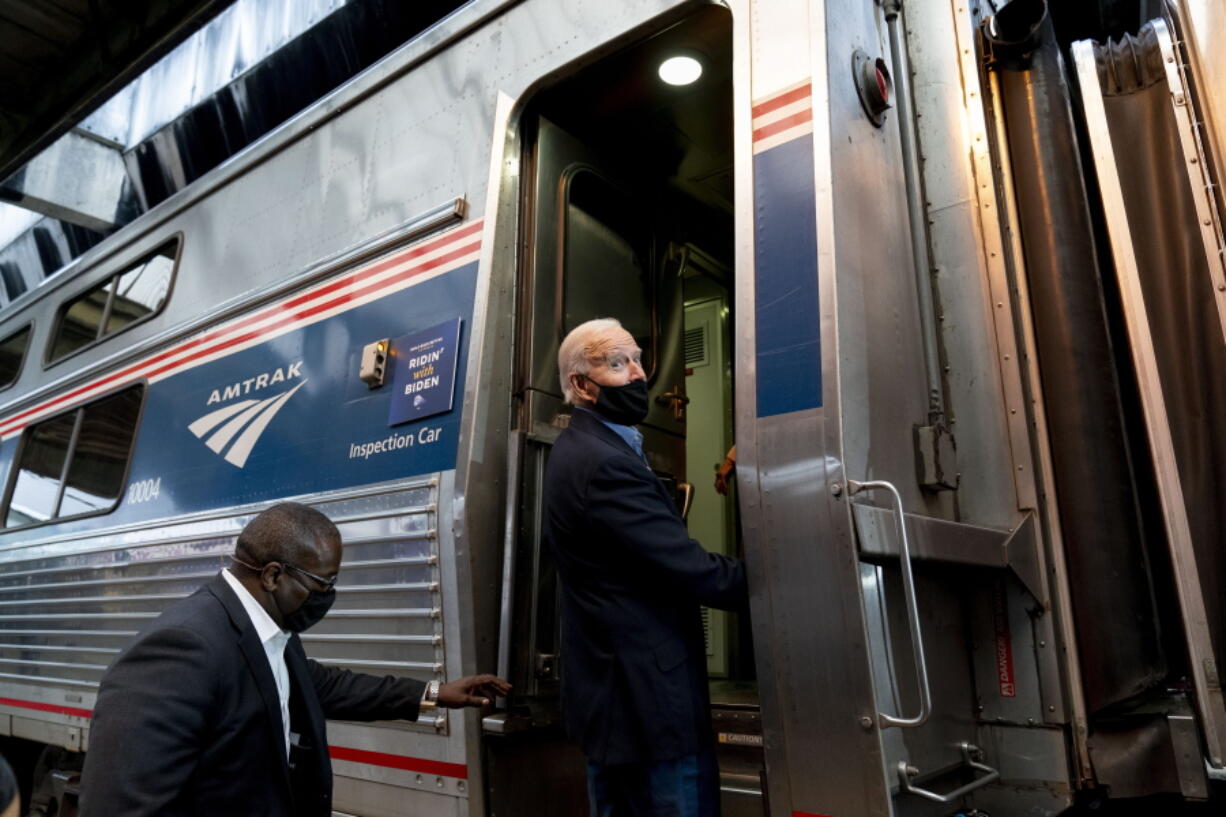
60	59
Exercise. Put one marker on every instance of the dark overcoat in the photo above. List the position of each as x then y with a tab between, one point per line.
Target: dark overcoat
188	722
633	661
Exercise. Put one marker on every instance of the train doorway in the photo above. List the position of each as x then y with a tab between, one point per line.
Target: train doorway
627	212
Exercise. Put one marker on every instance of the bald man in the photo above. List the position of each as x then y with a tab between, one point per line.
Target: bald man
215	708
634	671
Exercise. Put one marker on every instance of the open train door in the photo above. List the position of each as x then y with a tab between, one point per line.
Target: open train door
626	213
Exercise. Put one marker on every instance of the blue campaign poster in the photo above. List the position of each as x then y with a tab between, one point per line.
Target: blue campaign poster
423	377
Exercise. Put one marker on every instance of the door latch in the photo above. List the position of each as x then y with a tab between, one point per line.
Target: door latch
676	401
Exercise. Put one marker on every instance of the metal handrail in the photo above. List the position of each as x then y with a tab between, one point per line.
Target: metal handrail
908	584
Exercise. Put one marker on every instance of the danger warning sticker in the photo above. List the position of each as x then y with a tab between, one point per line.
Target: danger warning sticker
1004	643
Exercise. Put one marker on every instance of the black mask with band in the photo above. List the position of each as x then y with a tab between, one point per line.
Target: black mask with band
309	613
625	405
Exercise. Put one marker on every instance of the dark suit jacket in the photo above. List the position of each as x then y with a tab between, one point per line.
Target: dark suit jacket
634	673
188	721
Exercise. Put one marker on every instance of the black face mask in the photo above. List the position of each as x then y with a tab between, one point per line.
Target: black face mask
625	405
310	612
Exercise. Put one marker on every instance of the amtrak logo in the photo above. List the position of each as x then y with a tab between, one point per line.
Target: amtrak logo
236	428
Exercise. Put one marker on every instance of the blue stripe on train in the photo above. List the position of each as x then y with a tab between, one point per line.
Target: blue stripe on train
787	324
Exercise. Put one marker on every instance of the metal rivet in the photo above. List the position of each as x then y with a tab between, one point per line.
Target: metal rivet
1192	160
866	721
1051	708
836	489
1042	643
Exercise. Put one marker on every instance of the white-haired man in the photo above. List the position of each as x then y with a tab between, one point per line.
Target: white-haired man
634	681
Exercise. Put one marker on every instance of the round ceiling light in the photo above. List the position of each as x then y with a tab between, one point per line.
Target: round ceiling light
680	70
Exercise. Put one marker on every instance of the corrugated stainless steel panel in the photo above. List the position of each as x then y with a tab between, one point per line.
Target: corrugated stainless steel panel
67	607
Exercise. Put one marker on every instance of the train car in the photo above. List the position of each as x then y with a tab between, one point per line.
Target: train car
876	245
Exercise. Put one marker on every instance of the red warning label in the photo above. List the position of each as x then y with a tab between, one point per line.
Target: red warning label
1004	643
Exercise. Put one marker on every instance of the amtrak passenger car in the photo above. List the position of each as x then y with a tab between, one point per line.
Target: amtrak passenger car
817	243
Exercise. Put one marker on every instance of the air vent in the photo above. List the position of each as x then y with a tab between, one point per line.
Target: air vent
696	346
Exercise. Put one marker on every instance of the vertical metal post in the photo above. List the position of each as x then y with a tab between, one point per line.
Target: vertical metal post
916	211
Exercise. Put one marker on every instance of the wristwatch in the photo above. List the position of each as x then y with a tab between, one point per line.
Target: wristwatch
429	697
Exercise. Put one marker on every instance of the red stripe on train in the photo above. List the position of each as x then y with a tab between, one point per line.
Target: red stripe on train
14	423
783	124
403	762
408	764
41	707
786	98
340	300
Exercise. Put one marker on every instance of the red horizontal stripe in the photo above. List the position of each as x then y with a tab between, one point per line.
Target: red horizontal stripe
40	707
808	814
14	423
408	764
368	272
794	95
781	125
421	249
340	300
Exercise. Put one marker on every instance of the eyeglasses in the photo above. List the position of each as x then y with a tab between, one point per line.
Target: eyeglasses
327	584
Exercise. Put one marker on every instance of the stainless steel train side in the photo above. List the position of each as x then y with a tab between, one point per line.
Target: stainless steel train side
827	231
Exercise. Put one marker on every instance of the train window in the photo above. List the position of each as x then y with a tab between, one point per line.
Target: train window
12	353
80	320
75	463
141	290
607	260
36	492
123	300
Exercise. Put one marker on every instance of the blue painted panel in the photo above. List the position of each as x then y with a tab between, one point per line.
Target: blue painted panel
323	429
787	324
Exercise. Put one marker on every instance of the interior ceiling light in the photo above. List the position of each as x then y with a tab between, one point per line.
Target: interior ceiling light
680	70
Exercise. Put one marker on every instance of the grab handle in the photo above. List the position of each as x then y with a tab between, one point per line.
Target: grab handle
906	772
687	499
908	586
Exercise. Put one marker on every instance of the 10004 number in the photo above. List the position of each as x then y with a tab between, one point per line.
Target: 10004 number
145	490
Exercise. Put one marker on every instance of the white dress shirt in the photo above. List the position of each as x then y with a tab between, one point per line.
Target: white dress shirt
274	640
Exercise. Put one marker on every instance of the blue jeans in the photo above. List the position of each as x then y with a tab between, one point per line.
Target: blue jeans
685	787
